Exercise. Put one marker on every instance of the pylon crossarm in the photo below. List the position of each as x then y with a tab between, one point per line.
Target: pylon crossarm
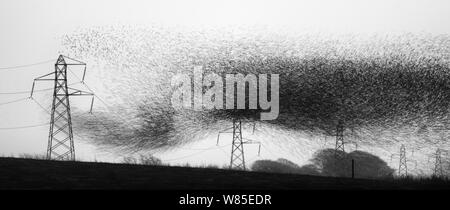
46	75
41	78
78	62
79	92
250	141
222	132
83	93
392	155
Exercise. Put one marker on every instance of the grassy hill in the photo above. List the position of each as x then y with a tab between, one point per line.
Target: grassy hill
16	173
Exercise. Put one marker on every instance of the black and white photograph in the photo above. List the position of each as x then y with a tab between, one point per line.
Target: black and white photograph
224	103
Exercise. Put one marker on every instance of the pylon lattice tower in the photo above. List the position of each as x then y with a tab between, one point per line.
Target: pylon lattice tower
237	160
438	172
237	148
60	140
402	167
339	150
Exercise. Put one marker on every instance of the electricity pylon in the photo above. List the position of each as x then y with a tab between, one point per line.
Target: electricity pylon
438	164
237	148
60	140
403	162
403	166
438	170
339	150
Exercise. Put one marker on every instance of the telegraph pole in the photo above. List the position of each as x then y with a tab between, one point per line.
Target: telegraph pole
60	139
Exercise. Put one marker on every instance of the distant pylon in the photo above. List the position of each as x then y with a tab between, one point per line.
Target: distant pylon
237	160
237	149
402	167
438	172
339	149
60	140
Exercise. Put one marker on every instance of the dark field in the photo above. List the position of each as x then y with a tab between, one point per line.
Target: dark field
18	173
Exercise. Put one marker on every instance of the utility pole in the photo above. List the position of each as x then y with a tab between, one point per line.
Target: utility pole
353	168
237	160
60	140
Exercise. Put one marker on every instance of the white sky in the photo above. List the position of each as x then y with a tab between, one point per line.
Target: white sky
30	30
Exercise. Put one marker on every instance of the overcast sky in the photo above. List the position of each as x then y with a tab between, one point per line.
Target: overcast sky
31	30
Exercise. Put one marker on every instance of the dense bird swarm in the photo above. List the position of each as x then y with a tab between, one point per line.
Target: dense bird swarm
386	89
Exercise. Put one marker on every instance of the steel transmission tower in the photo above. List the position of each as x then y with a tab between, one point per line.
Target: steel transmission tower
237	147
339	150
60	140
438	172
438	169
402	167
403	162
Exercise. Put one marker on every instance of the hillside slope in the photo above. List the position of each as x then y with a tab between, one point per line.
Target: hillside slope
42	174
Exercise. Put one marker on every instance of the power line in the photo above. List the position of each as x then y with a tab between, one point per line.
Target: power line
23	127
197	153
199	149
24	92
28	91
14	101
26	65
48	112
40	105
